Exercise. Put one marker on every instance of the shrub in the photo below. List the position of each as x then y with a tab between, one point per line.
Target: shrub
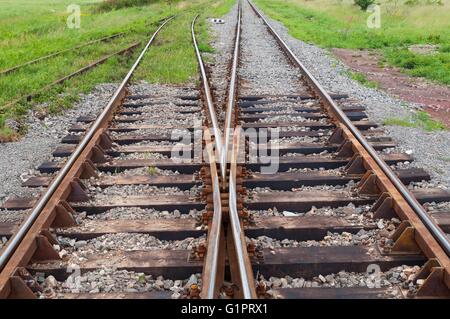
445	48
119	4
364	4
411	2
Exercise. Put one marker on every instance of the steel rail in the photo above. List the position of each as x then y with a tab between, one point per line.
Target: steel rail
24	228
30	96
233	87
211	268
212	255
209	101
42	58
432	227
245	273
244	264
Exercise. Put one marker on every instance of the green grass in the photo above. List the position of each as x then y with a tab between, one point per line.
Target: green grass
361	78
40	29
151	170
433	66
109	5
172	59
205	48
340	24
420	120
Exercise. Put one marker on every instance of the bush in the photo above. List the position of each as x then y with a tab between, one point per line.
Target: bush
411	2
445	48
364	4
119	4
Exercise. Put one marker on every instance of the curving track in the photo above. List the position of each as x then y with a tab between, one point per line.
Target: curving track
125	197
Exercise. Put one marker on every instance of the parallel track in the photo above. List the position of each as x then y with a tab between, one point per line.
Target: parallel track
417	240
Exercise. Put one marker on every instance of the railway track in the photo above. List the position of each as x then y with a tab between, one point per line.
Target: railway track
116	195
291	195
329	218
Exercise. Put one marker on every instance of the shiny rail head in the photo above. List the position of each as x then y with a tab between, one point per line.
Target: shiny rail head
218	135
240	247
211	264
232	92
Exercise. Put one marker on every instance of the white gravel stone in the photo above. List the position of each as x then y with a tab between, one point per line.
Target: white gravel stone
42	137
262	63
111	280
391	279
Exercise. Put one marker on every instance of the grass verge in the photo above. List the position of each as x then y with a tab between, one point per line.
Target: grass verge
341	24
361	78
419	120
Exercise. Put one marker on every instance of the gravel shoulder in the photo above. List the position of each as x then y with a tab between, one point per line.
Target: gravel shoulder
18	159
262	64
221	58
431	150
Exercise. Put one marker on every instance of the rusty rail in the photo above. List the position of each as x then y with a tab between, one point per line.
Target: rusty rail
14	68
244	274
29	237
84	69
209	101
237	254
215	259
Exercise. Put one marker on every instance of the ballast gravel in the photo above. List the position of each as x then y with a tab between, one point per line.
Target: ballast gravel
112	280
394	280
140	171
137	213
79	250
358	215
142	190
223	53
362	237
263	65
12	216
346	187
161	92
42	138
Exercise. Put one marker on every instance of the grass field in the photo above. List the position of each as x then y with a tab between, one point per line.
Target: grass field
340	24
176	46
31	29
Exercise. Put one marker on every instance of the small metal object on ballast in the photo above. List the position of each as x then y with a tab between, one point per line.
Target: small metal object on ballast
217	21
